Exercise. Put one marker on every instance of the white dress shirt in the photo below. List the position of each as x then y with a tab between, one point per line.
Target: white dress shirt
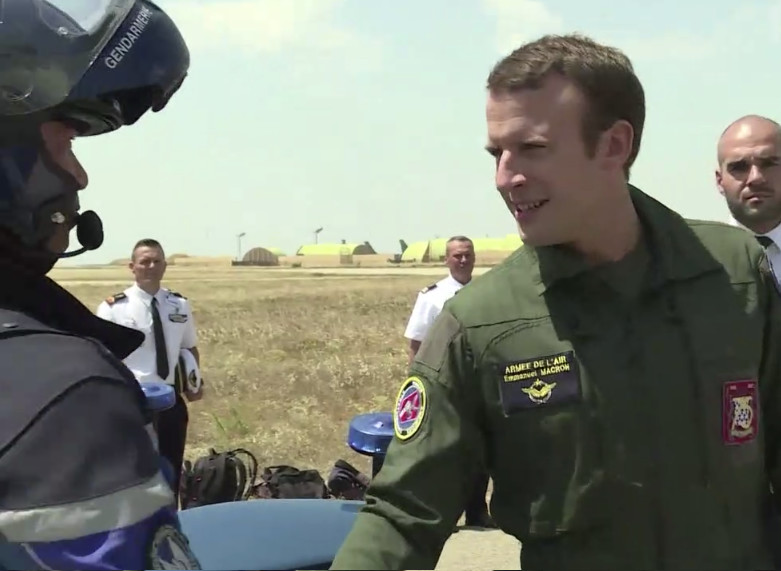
135	311
428	305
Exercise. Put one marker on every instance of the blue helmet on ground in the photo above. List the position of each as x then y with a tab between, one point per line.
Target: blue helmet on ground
90	67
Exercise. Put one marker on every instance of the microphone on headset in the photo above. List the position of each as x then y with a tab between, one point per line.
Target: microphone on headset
89	232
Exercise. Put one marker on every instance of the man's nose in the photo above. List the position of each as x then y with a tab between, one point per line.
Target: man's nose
755	176
509	174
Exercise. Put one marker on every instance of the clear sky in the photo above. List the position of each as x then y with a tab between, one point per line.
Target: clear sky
366	117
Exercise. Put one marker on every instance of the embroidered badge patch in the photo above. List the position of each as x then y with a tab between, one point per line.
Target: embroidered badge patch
545	380
740	411
410	408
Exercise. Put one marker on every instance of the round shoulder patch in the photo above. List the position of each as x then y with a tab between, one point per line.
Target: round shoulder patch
410	408
171	550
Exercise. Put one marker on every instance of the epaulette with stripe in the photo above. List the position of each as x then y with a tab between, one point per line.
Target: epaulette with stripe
112	299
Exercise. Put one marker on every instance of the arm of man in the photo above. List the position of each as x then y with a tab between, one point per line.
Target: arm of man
82	488
420	320
418	496
104	311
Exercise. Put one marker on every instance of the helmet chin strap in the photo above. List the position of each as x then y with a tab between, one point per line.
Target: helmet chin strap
89	232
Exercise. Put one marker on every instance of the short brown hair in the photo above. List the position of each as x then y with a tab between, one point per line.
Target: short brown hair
147	243
604	74
458	238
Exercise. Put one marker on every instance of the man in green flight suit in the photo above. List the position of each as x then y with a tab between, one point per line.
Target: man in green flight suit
618	375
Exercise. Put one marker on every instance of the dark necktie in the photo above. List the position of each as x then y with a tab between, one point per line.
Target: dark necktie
765	242
160	349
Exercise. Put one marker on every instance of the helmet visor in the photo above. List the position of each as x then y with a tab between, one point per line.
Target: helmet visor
46	46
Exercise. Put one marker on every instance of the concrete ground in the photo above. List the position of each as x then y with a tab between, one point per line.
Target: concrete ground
470	550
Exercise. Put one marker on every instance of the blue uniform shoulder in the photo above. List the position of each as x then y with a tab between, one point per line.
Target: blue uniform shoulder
53	465
41	363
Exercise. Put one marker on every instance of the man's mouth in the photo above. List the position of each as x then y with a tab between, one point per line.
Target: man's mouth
525	209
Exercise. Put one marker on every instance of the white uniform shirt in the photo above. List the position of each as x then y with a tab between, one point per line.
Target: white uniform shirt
135	311
428	305
774	251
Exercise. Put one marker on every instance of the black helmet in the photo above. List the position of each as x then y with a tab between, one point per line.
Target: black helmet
95	65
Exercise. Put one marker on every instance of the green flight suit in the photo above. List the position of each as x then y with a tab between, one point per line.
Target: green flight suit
617	410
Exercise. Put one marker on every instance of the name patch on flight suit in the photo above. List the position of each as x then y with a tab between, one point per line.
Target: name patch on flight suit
548	380
740	412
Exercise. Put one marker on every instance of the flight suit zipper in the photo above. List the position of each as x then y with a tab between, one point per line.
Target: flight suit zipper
652	470
674	316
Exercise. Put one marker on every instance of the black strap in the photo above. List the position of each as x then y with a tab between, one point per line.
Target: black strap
160	348
247	474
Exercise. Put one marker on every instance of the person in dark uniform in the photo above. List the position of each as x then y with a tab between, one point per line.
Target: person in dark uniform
619	374
81	484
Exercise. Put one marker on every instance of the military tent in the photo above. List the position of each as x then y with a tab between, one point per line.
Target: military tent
343	249
259	257
437	249
416	252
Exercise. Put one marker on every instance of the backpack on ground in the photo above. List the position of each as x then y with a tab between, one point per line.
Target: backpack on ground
218	477
288	482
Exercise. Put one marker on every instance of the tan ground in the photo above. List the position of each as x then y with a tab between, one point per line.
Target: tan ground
290	356
470	550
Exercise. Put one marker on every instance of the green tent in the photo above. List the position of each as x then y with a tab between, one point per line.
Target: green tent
335	250
416	252
437	249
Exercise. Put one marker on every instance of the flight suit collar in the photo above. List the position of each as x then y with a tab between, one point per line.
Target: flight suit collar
676	255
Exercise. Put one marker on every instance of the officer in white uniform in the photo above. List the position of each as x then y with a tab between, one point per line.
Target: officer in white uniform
460	260
749	178
427	306
167	321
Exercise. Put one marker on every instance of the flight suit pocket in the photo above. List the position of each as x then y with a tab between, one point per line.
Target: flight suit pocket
547	449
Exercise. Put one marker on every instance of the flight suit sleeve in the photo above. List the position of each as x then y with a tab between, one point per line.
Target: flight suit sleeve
417	497
770	379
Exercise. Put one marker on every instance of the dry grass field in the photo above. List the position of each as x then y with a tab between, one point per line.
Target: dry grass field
289	356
